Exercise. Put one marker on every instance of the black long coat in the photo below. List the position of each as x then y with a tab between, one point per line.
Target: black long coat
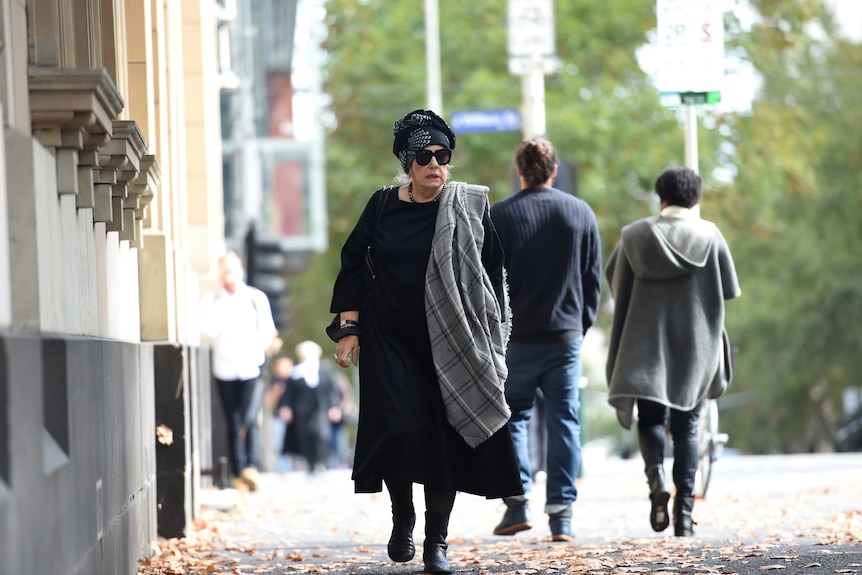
309	432
403	431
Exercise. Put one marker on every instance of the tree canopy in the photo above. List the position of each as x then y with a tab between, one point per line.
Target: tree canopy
787	210
792	211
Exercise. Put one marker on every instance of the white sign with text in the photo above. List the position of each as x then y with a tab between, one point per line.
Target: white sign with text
531	28
690	45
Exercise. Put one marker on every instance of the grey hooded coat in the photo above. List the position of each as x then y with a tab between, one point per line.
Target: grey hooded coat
669	276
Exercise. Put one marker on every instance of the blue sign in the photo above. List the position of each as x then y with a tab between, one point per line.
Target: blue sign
466	121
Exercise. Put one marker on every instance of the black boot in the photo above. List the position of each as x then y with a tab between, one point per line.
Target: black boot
401	547
516	518
682	523
659	495
651	439
434	552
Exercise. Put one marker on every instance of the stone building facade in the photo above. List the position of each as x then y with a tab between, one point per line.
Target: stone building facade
111	221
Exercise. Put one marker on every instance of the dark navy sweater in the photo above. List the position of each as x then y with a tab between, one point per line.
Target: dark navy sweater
553	258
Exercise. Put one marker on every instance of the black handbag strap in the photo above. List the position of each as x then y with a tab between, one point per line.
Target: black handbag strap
381	203
334	329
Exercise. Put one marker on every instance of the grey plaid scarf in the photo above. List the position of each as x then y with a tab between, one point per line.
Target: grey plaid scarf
468	328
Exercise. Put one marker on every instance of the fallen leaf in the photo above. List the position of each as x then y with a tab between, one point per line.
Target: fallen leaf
164	434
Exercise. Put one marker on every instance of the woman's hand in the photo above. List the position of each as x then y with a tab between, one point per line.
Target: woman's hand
347	350
334	414
285	413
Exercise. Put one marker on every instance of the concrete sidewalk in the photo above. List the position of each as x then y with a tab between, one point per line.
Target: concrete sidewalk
762	513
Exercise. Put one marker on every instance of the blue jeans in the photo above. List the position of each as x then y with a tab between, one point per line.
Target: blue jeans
241	402
555	368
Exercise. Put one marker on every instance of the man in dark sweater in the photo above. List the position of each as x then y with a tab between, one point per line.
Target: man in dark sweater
553	262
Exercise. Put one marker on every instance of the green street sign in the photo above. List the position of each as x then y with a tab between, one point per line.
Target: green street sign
673	99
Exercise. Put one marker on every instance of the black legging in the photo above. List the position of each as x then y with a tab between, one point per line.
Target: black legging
241	400
652	418
437	501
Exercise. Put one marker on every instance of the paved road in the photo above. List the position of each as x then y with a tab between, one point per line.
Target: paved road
799	514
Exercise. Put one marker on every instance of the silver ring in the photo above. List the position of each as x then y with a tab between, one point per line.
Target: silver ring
335	356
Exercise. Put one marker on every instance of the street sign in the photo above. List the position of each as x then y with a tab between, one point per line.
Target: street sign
531	28
690	45
520	65
675	99
466	121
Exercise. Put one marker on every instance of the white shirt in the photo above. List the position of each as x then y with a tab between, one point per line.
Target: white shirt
309	370
679	211
241	327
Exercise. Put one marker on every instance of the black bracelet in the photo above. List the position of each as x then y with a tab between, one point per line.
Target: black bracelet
338	328
345	331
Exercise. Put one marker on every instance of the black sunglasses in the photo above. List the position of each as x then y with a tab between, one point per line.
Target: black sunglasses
443	155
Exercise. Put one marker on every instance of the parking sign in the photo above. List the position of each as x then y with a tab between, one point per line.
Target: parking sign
690	45
531	28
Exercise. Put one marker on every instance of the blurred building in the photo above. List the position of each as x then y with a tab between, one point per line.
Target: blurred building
273	170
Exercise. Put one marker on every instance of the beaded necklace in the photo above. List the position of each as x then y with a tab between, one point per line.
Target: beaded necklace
413	200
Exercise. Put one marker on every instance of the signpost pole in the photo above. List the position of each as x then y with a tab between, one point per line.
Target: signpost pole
531	46
432	56
533	104
691	59
691	160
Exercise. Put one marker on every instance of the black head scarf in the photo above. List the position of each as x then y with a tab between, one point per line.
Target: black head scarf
417	130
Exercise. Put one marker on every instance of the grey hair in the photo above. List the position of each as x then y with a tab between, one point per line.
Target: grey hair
308	349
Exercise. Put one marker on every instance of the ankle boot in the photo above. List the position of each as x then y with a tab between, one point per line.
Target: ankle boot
560	524
434	551
401	548
682	523
659	495
516	518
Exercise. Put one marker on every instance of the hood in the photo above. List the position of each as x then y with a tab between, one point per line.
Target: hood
665	247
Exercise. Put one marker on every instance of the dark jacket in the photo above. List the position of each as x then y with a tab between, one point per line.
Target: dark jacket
309	431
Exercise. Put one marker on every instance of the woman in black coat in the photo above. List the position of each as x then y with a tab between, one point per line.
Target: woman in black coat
310	405
408	408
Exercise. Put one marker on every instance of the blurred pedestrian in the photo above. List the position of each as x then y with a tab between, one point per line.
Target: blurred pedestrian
238	319
669	276
421	288
553	263
282	368
339	448
310	404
